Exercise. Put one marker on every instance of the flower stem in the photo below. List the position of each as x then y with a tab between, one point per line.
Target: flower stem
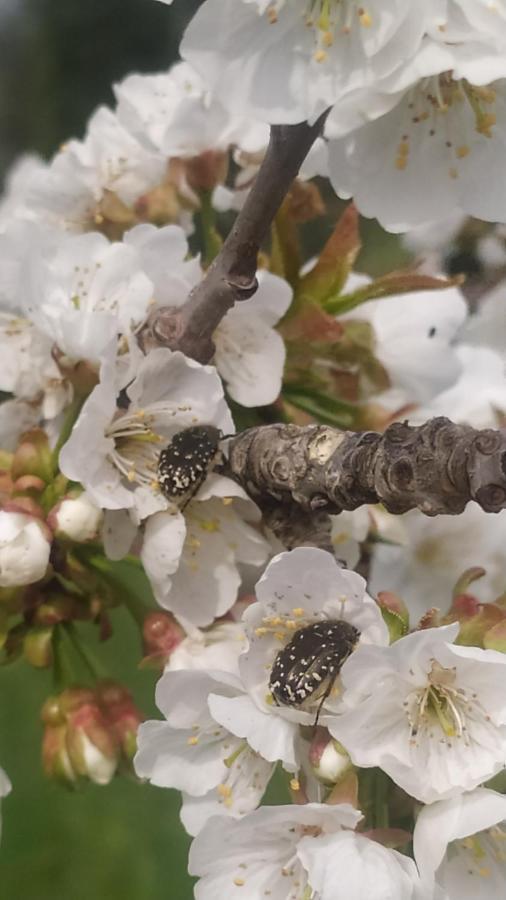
210	236
69	420
381	812
63	671
92	665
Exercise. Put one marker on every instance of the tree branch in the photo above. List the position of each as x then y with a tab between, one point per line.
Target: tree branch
437	467
232	275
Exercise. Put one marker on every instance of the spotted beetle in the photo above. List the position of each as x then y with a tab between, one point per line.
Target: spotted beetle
186	461
306	669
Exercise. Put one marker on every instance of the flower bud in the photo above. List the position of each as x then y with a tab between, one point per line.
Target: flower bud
207	170
92	747
33	456
162	634
55	757
78	740
37	647
328	759
122	716
24	549
395	614
76	518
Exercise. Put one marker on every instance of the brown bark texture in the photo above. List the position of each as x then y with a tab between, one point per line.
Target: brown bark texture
437	467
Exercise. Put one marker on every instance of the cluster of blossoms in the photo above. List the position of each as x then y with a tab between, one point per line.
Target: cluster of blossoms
417	122
381	702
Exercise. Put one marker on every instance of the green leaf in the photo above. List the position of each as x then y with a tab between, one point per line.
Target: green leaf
402	282
327	277
324	408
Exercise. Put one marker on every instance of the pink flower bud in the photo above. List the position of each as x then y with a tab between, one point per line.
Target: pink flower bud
78	740
328	759
122	716
162	634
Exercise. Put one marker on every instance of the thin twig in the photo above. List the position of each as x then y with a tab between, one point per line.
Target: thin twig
232	275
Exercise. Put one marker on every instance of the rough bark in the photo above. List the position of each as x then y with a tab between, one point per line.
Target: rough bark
232	275
437	467
297	527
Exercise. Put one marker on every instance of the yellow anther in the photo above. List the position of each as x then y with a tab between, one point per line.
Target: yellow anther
295	784
298	611
365	20
210	525
192	740
462	151
261	632
224	790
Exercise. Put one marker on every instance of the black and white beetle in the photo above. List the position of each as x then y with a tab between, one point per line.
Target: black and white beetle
186	461
306	669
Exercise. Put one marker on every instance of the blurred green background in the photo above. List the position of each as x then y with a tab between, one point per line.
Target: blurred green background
58	59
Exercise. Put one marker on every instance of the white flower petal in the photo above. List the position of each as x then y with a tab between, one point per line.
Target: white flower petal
271	736
348	866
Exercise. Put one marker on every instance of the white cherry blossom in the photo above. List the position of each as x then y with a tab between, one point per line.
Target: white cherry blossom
440	147
216	771
250	354
87	292
298	589
460	845
29	370
430	713
413	340
298	852
193	560
478	395
487	327
13	200
175	113
431	553
479	20
349	529
110	160
283	62
163	255
271	730
114	452
217	647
